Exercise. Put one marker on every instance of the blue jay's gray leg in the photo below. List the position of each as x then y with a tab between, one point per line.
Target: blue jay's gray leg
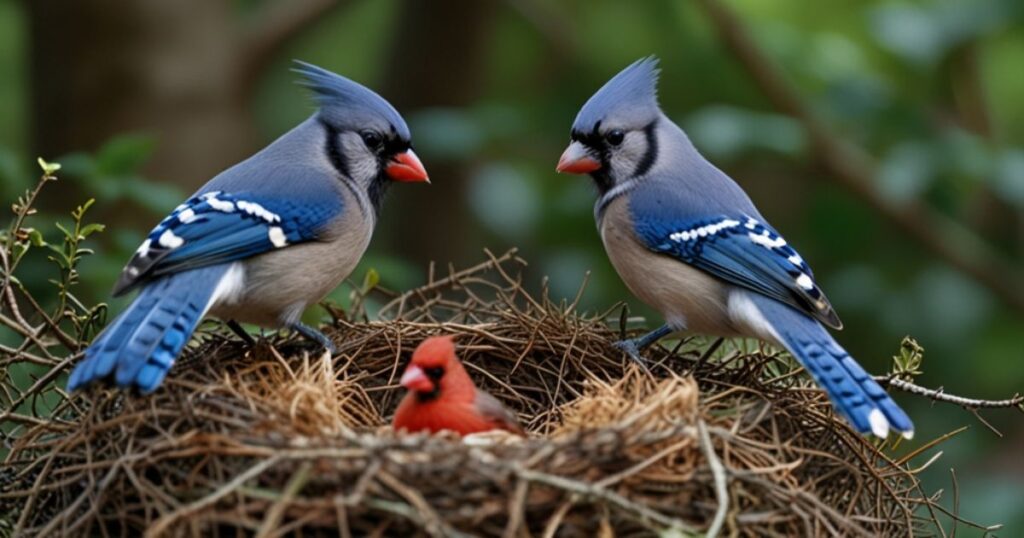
240	332
634	346
314	335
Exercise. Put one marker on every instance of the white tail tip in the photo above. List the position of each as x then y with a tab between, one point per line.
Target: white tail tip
879	424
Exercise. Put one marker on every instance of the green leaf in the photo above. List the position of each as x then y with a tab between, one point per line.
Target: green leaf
62	229
35	237
48	168
80	211
90	229
907	363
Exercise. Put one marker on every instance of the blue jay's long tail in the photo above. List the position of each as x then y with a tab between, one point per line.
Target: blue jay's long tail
141	344
853	392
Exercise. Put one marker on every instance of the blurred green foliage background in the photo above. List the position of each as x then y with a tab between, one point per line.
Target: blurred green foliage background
143	101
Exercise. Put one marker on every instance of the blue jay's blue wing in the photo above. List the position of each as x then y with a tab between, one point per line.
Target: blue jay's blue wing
218	227
742	251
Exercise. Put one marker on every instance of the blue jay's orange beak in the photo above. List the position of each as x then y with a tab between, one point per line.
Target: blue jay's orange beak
406	166
577	160
416	379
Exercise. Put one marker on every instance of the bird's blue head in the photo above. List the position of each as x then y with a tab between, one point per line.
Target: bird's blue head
367	139
613	135
630	98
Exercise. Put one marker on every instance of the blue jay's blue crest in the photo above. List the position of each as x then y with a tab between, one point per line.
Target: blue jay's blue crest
629	99
346	103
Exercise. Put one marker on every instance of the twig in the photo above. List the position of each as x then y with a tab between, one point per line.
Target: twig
851	167
940	395
161	525
40	383
956	502
294	486
591	491
718	471
492	263
428	518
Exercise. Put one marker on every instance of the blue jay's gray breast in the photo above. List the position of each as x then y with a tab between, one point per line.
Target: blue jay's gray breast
687	297
281	284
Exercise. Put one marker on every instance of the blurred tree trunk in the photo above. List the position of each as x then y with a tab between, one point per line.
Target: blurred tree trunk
180	70
104	67
437	59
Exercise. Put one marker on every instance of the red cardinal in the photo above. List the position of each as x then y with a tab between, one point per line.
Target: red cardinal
442	396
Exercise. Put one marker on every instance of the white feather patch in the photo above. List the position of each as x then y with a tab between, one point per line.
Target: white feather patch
766	241
230	286
277	237
879	424
703	231
169	240
143	250
187	216
805	281
224	206
257	210
745	313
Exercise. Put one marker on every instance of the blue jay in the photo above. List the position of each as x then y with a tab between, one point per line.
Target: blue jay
688	241
262	240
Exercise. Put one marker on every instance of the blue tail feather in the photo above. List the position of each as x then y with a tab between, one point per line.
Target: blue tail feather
852	390
140	346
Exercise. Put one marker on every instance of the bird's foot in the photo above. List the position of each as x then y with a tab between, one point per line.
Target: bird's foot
632	350
314	335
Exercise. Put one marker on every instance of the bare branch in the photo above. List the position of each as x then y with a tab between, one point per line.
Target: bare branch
940	395
854	169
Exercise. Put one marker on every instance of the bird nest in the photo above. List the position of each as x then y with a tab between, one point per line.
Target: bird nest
282	439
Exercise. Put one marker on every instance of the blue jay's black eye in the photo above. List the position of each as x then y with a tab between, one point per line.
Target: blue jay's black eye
615	137
371	139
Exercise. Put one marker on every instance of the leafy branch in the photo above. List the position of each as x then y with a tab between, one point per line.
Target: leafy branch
70	321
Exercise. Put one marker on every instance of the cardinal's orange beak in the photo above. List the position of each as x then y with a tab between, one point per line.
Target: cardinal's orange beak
406	167
416	379
576	159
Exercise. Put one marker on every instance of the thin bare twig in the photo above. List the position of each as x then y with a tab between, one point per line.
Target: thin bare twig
718	471
940	395
584	489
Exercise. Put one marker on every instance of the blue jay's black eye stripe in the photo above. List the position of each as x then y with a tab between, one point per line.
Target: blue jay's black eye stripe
333	148
647	161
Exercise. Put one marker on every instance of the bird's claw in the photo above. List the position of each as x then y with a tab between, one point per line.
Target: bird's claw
315	336
632	350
